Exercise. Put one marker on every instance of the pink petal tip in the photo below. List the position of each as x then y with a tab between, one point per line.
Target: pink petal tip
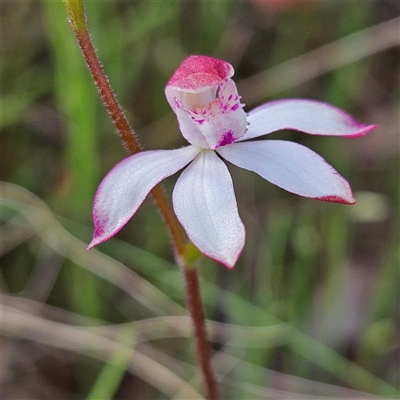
337	199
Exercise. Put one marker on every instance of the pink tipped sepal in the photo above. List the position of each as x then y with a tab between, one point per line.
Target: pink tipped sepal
100	235
308	116
337	199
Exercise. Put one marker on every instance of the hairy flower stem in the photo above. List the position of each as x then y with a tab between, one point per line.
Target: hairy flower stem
124	130
77	20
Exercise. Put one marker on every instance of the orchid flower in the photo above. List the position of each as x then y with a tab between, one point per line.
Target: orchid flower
211	118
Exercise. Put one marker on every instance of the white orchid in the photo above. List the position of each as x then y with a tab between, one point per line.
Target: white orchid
211	118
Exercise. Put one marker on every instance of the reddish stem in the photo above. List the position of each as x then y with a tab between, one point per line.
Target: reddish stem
124	129
127	134
203	348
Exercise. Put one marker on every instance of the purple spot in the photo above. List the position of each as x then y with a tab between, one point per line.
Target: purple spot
235	107
226	139
199	121
230	98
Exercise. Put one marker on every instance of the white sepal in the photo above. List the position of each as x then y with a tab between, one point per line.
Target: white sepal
292	167
308	116
126	186
205	204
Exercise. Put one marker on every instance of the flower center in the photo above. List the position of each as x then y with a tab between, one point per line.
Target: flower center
222	120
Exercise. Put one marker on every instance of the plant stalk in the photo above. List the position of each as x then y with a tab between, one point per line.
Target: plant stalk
77	19
195	306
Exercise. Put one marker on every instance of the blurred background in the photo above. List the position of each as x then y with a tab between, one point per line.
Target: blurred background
310	310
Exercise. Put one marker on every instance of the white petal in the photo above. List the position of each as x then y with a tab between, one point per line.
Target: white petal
292	167
205	204
126	186
313	117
